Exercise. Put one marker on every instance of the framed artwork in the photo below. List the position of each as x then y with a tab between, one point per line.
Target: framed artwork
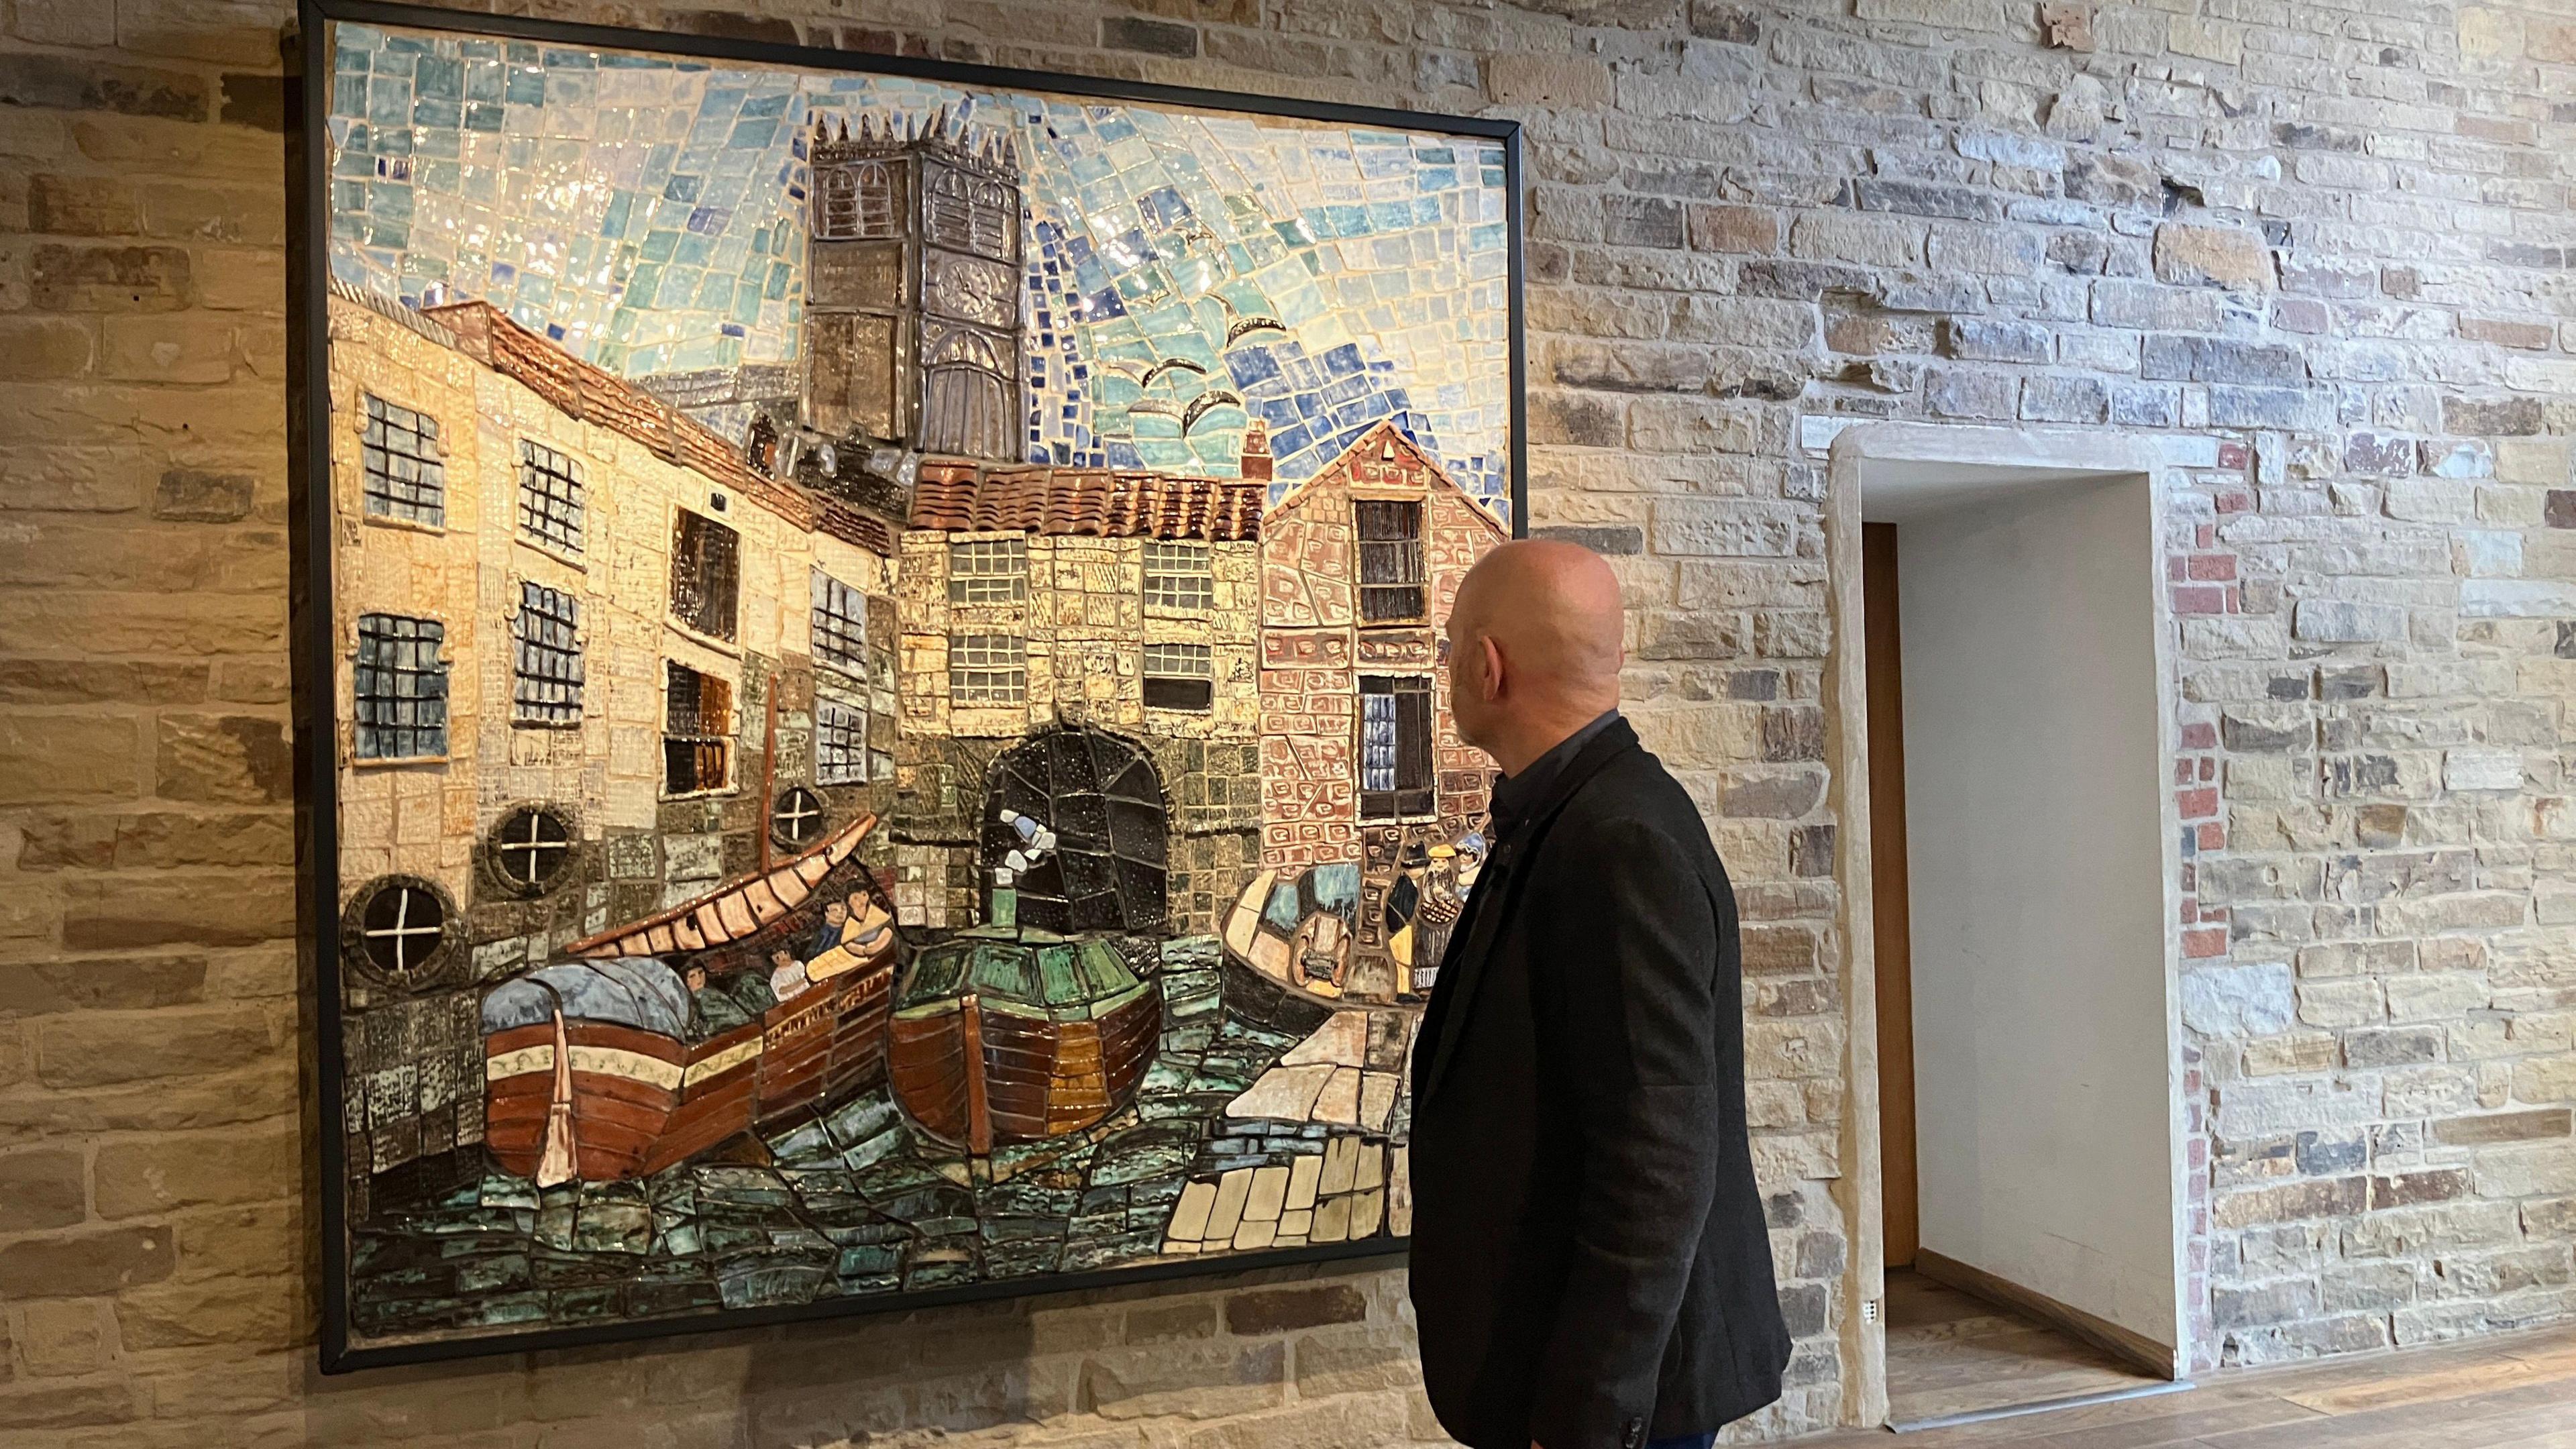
876	715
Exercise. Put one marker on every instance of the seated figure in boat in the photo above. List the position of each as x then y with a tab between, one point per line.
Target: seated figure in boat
787	978
836	920
864	932
718	1007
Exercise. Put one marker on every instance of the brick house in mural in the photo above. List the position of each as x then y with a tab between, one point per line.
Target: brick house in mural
1360	758
565	612
1035	599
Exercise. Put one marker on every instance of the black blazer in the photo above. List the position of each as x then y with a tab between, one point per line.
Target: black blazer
1590	1265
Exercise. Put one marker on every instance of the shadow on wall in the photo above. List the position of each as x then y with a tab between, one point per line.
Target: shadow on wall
1332	1347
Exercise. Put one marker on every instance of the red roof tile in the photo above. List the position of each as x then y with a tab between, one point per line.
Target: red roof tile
585	392
956	496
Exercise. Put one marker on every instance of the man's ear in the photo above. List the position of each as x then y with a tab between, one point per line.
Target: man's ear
1491	686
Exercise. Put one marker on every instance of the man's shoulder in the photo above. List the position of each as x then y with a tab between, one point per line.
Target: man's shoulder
1634	796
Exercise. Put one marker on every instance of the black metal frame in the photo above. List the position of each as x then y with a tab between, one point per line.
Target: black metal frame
308	186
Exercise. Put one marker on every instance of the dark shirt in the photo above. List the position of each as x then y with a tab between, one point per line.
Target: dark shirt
1515	794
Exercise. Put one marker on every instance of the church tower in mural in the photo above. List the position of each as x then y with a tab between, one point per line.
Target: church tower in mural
912	291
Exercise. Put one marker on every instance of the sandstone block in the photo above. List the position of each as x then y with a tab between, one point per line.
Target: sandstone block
2513	1172
61	83
2065	400
86	1264
2240	1307
1733	229
1551	81
224	759
1958	392
1981	339
2239	1001
2220	256
2339	621
241	908
64	278
1286	1310
2489	1129
44	347
91	1049
196	1169
50	757
44	1188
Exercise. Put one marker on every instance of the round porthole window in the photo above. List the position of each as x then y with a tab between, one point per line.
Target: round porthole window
530	848
396	933
796	819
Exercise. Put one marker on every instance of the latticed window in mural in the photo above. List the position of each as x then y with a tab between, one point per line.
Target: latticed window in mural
988	570
840	626
550	507
860	202
1177	576
1100	798
970	213
840	741
1390	560
706	574
546	639
697	731
1179	676
988	669
400	688
1395	745
406	475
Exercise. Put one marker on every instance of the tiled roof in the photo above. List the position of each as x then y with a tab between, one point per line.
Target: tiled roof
579	390
955	496
849	525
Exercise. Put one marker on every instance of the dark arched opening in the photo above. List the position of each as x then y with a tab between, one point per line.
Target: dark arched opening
1103	802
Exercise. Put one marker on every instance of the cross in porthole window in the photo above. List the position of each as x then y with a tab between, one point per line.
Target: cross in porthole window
404	927
532	845
797	818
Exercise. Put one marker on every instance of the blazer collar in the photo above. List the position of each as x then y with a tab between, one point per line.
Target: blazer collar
1502	879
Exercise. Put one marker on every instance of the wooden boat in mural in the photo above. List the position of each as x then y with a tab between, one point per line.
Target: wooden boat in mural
595	1070
1005	1034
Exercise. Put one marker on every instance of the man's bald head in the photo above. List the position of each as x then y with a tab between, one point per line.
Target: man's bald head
1534	645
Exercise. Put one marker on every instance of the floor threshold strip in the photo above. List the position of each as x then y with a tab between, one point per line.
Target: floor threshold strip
2044	1406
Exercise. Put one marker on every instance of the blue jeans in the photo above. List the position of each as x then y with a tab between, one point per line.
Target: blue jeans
1687	1441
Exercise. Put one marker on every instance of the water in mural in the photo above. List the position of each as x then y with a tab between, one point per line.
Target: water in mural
893	732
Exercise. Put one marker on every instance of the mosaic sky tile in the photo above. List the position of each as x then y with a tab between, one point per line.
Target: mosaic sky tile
1185	272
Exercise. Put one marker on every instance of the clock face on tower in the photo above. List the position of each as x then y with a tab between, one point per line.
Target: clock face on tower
970	289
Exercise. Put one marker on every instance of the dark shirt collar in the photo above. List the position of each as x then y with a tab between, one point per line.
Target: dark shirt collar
1515	794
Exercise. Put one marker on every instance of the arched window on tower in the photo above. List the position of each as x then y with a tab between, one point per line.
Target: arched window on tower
856	202
966	399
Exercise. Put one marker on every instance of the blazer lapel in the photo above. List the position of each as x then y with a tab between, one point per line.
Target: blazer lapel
1497	887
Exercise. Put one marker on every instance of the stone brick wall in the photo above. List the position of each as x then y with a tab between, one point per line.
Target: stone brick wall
2332	238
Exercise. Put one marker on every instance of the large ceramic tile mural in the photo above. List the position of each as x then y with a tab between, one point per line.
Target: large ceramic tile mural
891	733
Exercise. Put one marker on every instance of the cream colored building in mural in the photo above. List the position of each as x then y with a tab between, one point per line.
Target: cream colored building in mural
591	665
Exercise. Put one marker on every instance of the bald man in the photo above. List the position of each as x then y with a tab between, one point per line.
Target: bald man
1591	1269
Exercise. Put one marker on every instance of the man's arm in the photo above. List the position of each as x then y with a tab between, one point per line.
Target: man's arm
1627	1025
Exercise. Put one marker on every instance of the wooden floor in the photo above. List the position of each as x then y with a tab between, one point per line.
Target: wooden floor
2503	1391
1949	1353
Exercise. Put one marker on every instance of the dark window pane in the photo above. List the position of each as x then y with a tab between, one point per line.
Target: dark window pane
1195	694
706	575
399	688
547	666
550	497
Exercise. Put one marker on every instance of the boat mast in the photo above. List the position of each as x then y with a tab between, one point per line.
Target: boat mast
768	768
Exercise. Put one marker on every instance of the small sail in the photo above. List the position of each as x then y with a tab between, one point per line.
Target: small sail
562	1154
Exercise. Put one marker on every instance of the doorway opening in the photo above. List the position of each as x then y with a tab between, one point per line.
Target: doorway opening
2023	869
